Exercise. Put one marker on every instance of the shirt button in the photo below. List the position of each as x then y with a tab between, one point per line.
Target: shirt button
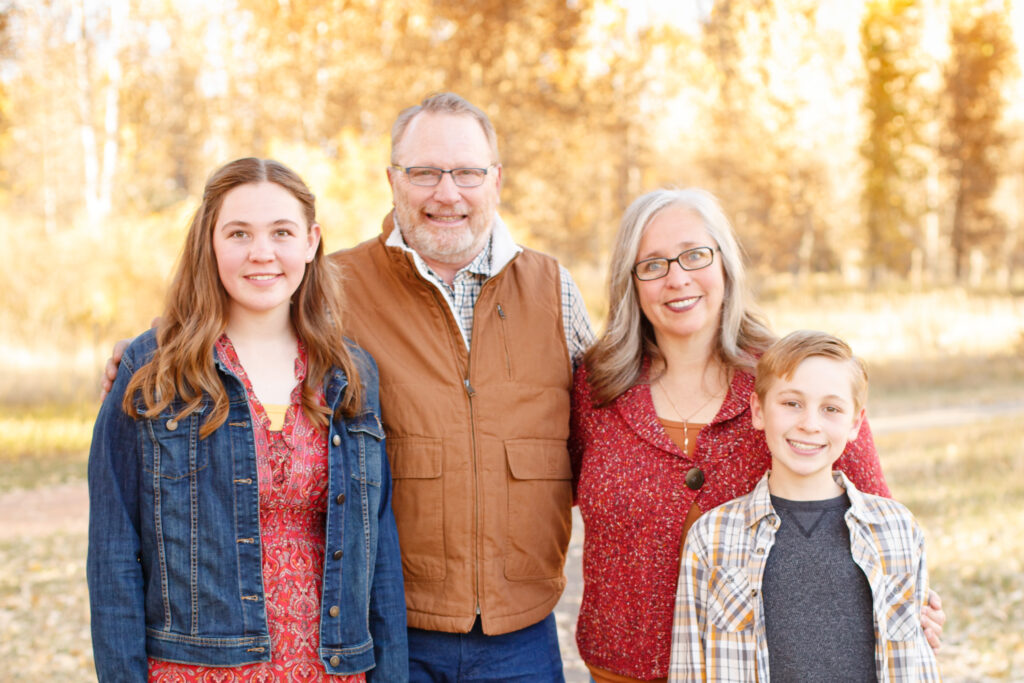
334	611
335	660
336	440
694	478
340	499
338	554
172	425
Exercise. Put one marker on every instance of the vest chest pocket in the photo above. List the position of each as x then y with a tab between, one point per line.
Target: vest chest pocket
538	518
171	448
417	500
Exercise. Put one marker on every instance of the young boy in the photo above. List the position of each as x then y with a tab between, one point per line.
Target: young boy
805	578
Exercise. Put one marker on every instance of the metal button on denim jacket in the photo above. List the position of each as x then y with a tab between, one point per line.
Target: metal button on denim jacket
174	565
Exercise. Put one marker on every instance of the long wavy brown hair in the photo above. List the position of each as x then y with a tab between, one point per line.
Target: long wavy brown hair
196	314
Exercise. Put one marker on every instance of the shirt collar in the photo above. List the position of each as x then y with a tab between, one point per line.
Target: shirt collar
497	253
759	504
859	507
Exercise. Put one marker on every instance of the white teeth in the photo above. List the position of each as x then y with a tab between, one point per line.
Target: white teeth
261	277
804	446
680	304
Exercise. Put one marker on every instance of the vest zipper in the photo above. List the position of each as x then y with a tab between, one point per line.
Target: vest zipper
470	393
504	340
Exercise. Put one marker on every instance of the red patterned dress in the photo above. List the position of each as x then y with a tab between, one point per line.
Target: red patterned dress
292	465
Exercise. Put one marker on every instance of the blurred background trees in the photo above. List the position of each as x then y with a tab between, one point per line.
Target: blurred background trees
855	142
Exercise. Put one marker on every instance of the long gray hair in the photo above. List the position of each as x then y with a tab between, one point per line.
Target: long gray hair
615	360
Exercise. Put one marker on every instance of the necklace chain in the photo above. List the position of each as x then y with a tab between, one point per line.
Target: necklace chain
686	420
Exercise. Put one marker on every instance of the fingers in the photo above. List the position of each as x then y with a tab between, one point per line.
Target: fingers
933	619
932	635
110	369
935	602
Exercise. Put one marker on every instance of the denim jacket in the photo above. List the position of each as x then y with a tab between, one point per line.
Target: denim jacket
175	565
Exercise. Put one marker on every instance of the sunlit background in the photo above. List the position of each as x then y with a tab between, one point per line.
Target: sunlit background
870	153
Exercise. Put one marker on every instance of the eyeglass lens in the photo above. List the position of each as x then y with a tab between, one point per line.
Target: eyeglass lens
691	259
428	176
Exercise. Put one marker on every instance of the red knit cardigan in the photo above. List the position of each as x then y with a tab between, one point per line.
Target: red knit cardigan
633	498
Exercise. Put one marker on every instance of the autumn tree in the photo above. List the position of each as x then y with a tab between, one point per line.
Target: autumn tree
973	143
895	108
6	54
774	153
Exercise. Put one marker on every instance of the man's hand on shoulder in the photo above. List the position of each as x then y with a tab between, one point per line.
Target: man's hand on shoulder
110	369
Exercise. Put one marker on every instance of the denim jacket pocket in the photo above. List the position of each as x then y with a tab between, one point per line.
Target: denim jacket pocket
539	508
171	447
368	433
731	600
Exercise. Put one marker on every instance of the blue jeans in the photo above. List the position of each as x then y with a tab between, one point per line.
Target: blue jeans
530	654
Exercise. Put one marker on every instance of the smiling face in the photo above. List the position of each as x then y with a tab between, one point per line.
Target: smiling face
685	303
807	421
446	224
262	244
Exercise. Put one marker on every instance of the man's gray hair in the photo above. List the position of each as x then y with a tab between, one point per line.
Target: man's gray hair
444	103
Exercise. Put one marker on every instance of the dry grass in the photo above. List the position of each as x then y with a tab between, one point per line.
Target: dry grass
44	609
966	485
44	444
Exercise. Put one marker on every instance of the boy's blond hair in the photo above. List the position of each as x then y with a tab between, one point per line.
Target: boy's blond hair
784	356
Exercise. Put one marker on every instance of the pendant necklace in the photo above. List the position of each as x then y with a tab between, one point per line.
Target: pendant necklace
686	420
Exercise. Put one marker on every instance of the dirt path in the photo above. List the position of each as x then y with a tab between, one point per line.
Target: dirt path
954	416
42	511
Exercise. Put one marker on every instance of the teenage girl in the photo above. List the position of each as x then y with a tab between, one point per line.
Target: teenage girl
240	521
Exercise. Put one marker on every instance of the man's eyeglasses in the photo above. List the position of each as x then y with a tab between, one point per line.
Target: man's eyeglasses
691	259
428	176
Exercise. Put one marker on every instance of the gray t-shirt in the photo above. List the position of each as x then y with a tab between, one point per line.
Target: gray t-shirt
817	601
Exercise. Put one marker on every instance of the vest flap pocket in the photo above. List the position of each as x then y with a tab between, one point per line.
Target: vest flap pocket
538	518
415	457
418	502
538	459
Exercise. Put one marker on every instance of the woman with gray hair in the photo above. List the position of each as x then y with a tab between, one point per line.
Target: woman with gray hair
661	427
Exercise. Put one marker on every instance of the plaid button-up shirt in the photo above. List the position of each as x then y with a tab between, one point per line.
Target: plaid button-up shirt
719	629
464	291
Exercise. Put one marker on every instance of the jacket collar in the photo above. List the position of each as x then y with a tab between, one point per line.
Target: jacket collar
636	407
